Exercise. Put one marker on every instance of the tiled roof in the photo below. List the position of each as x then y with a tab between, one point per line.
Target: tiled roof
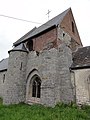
53	22
4	64
81	58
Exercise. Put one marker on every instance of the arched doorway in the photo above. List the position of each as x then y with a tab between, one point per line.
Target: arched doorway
33	90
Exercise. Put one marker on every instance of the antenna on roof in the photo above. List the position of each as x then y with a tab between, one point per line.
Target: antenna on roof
48	13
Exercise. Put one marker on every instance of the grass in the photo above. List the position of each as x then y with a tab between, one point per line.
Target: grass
1	101
39	112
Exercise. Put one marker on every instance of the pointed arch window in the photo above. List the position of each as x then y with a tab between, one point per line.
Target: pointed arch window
36	88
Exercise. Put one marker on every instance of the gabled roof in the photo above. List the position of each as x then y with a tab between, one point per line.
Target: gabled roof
53	22
81	58
3	64
20	47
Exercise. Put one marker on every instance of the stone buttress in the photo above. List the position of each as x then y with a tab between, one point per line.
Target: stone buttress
56	83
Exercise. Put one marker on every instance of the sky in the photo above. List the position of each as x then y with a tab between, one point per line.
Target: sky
35	11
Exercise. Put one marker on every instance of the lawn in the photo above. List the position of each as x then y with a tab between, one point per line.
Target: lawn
39	112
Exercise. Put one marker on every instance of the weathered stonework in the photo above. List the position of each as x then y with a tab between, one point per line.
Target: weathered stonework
64	76
45	64
52	66
82	85
3	75
15	83
63	37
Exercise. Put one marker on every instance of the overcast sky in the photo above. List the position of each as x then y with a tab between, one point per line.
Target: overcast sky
35	11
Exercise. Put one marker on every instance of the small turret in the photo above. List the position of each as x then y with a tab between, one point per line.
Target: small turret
16	75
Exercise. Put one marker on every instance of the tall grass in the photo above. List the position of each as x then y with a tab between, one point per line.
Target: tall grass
1	101
39	112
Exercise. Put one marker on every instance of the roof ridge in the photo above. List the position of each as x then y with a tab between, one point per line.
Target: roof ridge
3	59
65	11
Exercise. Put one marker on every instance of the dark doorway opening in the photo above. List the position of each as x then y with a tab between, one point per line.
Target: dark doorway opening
30	45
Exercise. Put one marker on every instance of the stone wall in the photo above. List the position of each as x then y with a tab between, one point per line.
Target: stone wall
45	64
45	40
66	25
64	90
53	68
82	85
51	65
2	82
15	84
65	38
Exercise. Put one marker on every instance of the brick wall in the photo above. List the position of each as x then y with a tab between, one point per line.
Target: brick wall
67	26
45	40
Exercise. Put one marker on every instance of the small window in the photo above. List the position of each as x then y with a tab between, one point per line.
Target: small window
73	27
36	87
63	34
21	66
3	78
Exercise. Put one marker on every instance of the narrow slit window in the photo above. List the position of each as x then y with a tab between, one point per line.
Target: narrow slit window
73	29
21	66
3	78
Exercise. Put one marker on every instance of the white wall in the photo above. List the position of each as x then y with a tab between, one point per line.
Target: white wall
82	86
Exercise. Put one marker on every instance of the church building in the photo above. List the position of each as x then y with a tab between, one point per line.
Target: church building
47	65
